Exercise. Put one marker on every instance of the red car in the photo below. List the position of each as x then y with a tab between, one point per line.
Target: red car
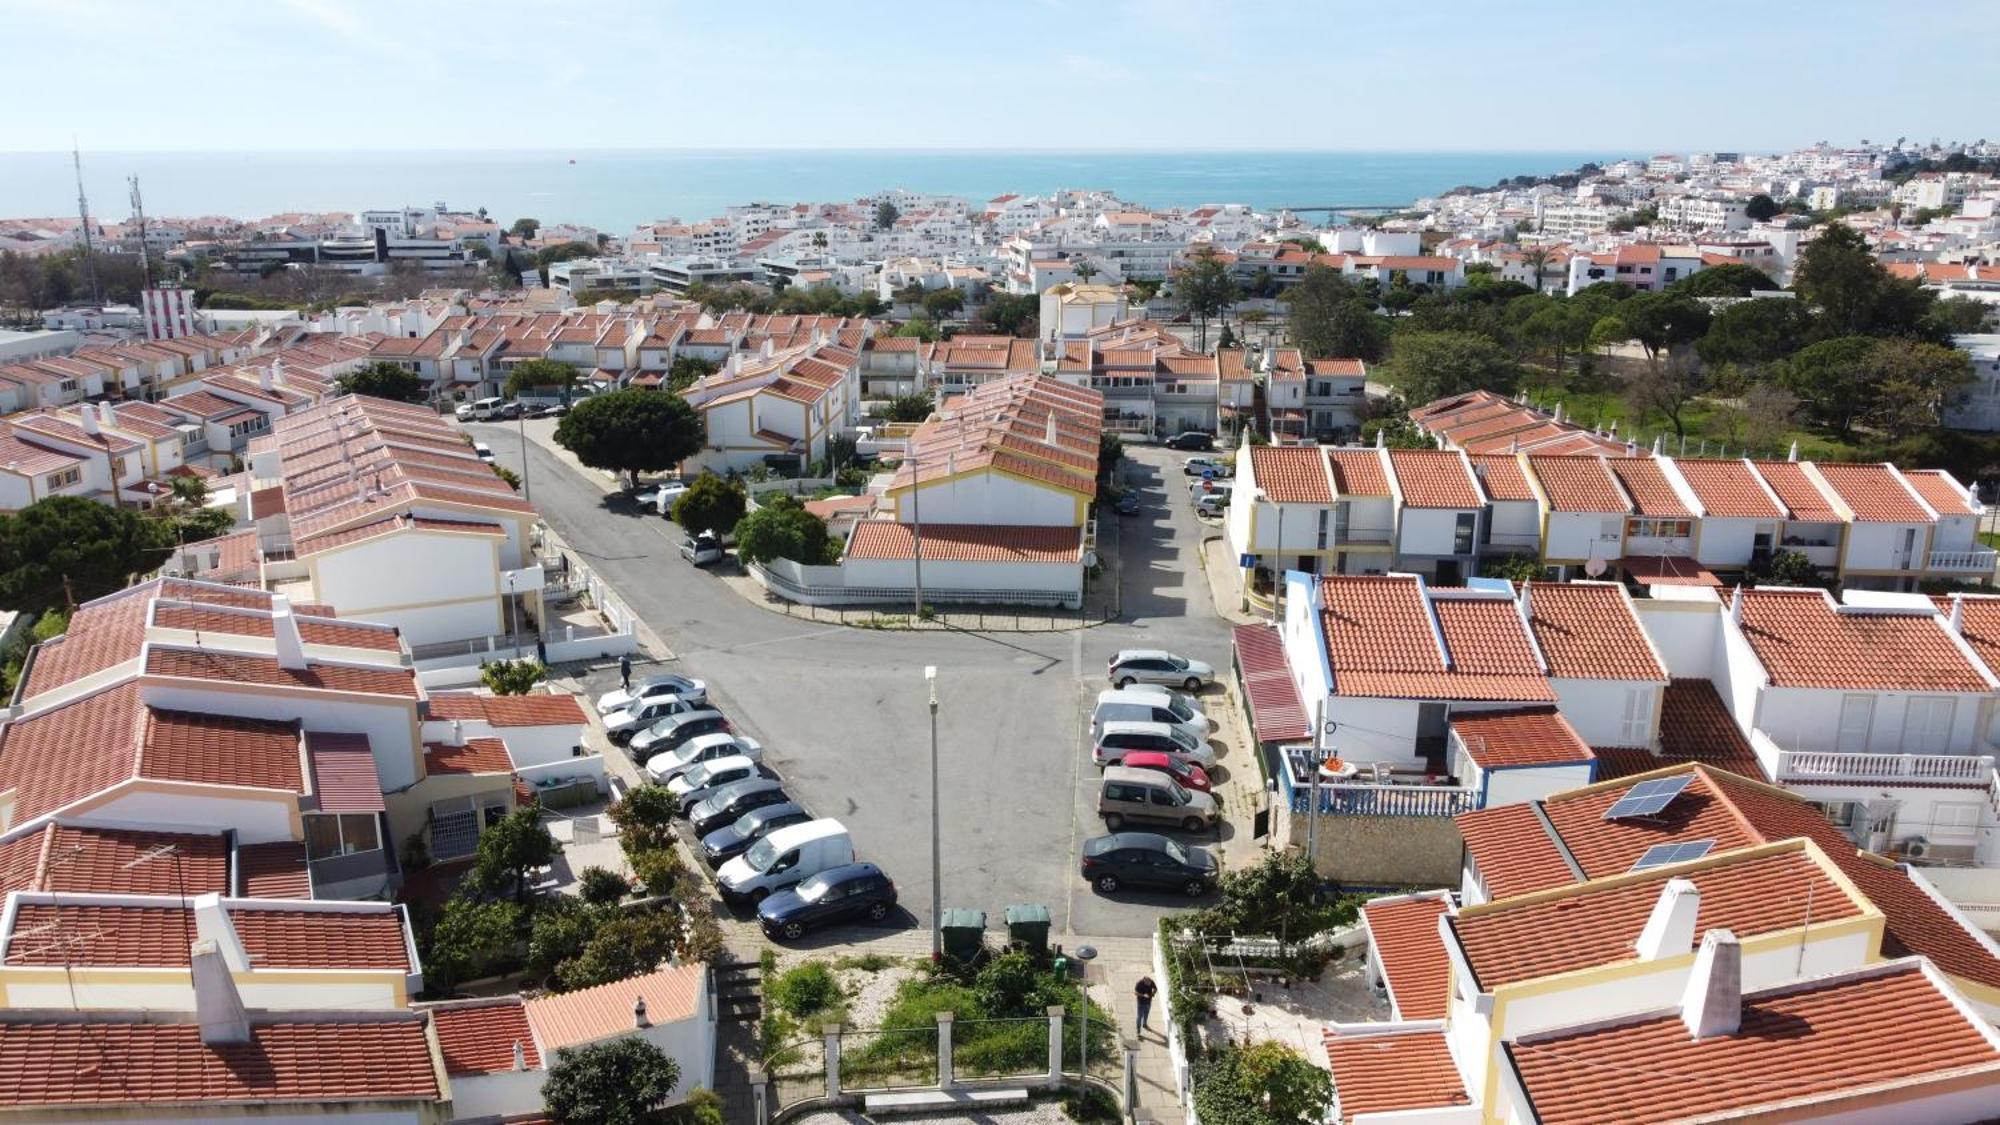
1188	774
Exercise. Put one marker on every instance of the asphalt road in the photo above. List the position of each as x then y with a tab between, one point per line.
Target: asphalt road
842	711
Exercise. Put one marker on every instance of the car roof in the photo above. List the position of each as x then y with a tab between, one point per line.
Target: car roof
1133	774
1152	841
691	716
1148	757
728	762
1152	695
755	783
1136	726
715	738
663	680
782	808
1141	654
792	835
847	871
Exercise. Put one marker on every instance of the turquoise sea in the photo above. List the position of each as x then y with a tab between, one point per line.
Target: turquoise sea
616	190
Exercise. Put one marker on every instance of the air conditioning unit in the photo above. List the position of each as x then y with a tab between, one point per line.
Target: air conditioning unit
1916	847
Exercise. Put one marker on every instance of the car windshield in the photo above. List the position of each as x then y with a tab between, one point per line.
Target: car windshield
1181	711
813	889
1183	739
1174	851
1177	663
1180	795
697	777
747	823
761	855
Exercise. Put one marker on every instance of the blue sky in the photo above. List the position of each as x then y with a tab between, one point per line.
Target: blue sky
1436	75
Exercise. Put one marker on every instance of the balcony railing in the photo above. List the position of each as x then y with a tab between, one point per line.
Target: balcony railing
1351	798
1943	769
1980	560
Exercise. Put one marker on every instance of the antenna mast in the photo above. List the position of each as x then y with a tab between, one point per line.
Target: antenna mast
83	213
145	248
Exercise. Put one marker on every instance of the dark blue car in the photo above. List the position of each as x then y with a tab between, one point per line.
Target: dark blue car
732	840
854	890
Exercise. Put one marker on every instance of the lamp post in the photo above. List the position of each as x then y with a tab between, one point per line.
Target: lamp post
513	624
917	539
937	878
527	492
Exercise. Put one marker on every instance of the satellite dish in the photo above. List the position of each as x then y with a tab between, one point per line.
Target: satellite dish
1594	567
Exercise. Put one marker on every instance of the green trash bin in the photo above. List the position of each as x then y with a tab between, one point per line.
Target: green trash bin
1028	928
964	933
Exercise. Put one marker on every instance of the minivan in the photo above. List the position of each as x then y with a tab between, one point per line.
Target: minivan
1148	796
1120	735
1147	706
486	408
784	857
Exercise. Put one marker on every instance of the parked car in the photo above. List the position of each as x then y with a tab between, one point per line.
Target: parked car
1121	736
482	451
1128	502
697	784
733	800
1212	505
1191	440
660	497
1148	705
464	412
852	890
1207	466
1187	773
706	748
622	725
650	687
671	734
783	858
507	411
1157	666
551	410
1149	797
731	840
1199	490
1147	859
703	549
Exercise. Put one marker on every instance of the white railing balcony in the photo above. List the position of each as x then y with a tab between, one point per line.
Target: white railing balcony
1978	560
1514	539
525	580
1814	766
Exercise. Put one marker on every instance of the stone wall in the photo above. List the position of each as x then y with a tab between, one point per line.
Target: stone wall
1384	851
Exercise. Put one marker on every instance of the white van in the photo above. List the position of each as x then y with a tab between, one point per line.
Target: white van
1148	705
783	858
486	408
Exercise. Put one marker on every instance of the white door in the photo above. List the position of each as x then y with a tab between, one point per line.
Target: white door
1927	725
1857	714
1638	718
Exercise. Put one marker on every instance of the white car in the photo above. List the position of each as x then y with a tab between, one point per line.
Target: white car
622	725
651	687
705	748
709	774
482	451
464	412
661	497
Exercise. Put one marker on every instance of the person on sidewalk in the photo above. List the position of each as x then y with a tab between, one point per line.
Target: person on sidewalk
625	672
1144	992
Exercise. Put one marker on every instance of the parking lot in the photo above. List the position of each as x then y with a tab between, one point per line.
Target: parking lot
842	711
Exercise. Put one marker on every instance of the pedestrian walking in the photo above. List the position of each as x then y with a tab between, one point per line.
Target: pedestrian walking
625	672
1144	992
541	652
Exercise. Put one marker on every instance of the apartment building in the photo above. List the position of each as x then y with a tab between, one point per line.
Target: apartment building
1977	405
1645	266
776	405
1704	214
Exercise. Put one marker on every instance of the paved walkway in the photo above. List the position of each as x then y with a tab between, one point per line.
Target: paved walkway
1225	581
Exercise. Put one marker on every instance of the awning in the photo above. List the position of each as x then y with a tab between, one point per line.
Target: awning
343	774
1275	711
1669	570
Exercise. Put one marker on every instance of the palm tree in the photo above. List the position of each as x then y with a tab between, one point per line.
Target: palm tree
1537	260
1085	271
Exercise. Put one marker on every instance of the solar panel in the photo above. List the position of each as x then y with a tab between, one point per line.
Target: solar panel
1659	855
1648	797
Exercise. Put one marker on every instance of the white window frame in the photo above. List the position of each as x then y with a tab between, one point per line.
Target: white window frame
1638	717
1864	705
1956	820
1922	733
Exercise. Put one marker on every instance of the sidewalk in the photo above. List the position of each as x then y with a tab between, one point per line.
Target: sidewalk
1225	581
1119	964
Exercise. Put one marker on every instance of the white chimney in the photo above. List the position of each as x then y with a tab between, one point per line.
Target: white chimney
1558	415
1958	614
285	633
766	348
218	1007
1669	931
520	1056
1051	438
639	1013
1794	454
277	373
212	924
264	378
106	416
87	414
1713	1002
1659	445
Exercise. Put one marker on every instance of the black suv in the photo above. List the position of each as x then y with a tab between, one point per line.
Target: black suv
849	891
1147	859
1191	440
729	804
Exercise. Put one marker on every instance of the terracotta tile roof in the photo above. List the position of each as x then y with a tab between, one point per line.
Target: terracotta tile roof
884	539
1805	640
1484	636
29	459
1979	624
243	668
1435	478
54	1062
589	1014
219	750
1503	477
479	1037
1589	631
81	859
1874	493
1648	486
146	936
1530	736
1273	696
1940	491
478	755
1795	1046
1499	424
1514	854
1292	474
1595	924
1729	489
274	870
1579	484
312	630
343	773
536	709
1387	1073
1695	726
1380	643
1415	964
1804	498
326	541
1358	472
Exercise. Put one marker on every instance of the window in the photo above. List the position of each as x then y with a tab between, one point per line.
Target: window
1857	715
328	836
1927	725
1461	543
63	479
1638	728
1659	529
1955	819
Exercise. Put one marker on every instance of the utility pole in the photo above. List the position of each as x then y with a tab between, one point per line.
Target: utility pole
527	492
917	527
937	876
145	250
83	214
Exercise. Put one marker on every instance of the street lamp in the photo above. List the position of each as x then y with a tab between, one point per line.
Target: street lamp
527	490
937	878
513	625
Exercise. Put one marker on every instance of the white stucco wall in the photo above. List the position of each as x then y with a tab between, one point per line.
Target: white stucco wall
1572	534
256	821
1684	633
990	498
1809	719
1879	546
1726	542
1430	531
1596	708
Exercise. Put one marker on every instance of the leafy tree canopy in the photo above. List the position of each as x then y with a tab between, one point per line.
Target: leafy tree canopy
711	504
632	432
619	1081
1734	280
508	851
1432	365
382	379
783	529
914	407
1330	319
99	549
540	374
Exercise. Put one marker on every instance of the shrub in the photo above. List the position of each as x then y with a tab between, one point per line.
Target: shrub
614	1082
511	677
626	946
804	990
1091	1105
658	870
645	819
601	886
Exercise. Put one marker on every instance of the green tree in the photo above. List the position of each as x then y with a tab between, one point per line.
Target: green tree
1831	379
1537	259
564	251
1913	381
942	303
1761	207
1659	321
541	375
621	1081
632	432
914	407
1733	280
1330	319
1011	314
1085	270
1110	451
70	547
686	369
509	850
511	677
1755	333
1787	568
1668	391
525	228
645	818
783	529
711	504
921	328
382	379
562	927
1205	290
886	215
1432	365
626	945
472	939
1957	316
1395	432
1263	1084
1514	568
1851	293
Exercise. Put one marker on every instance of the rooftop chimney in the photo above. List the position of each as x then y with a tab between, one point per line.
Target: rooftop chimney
1794	454
639	1013
1557	417
520	1056
1052	428
218	1008
1659	445
766	348
1958	614
277	373
265	377
1713	1002
285	632
1669	930
87	413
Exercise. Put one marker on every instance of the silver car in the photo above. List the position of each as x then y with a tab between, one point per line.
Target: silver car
707	748
621	725
1158	666
648	688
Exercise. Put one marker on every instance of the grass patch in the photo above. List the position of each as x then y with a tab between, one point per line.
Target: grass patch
868	962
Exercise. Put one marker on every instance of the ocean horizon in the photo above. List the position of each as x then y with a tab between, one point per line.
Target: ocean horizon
616	190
